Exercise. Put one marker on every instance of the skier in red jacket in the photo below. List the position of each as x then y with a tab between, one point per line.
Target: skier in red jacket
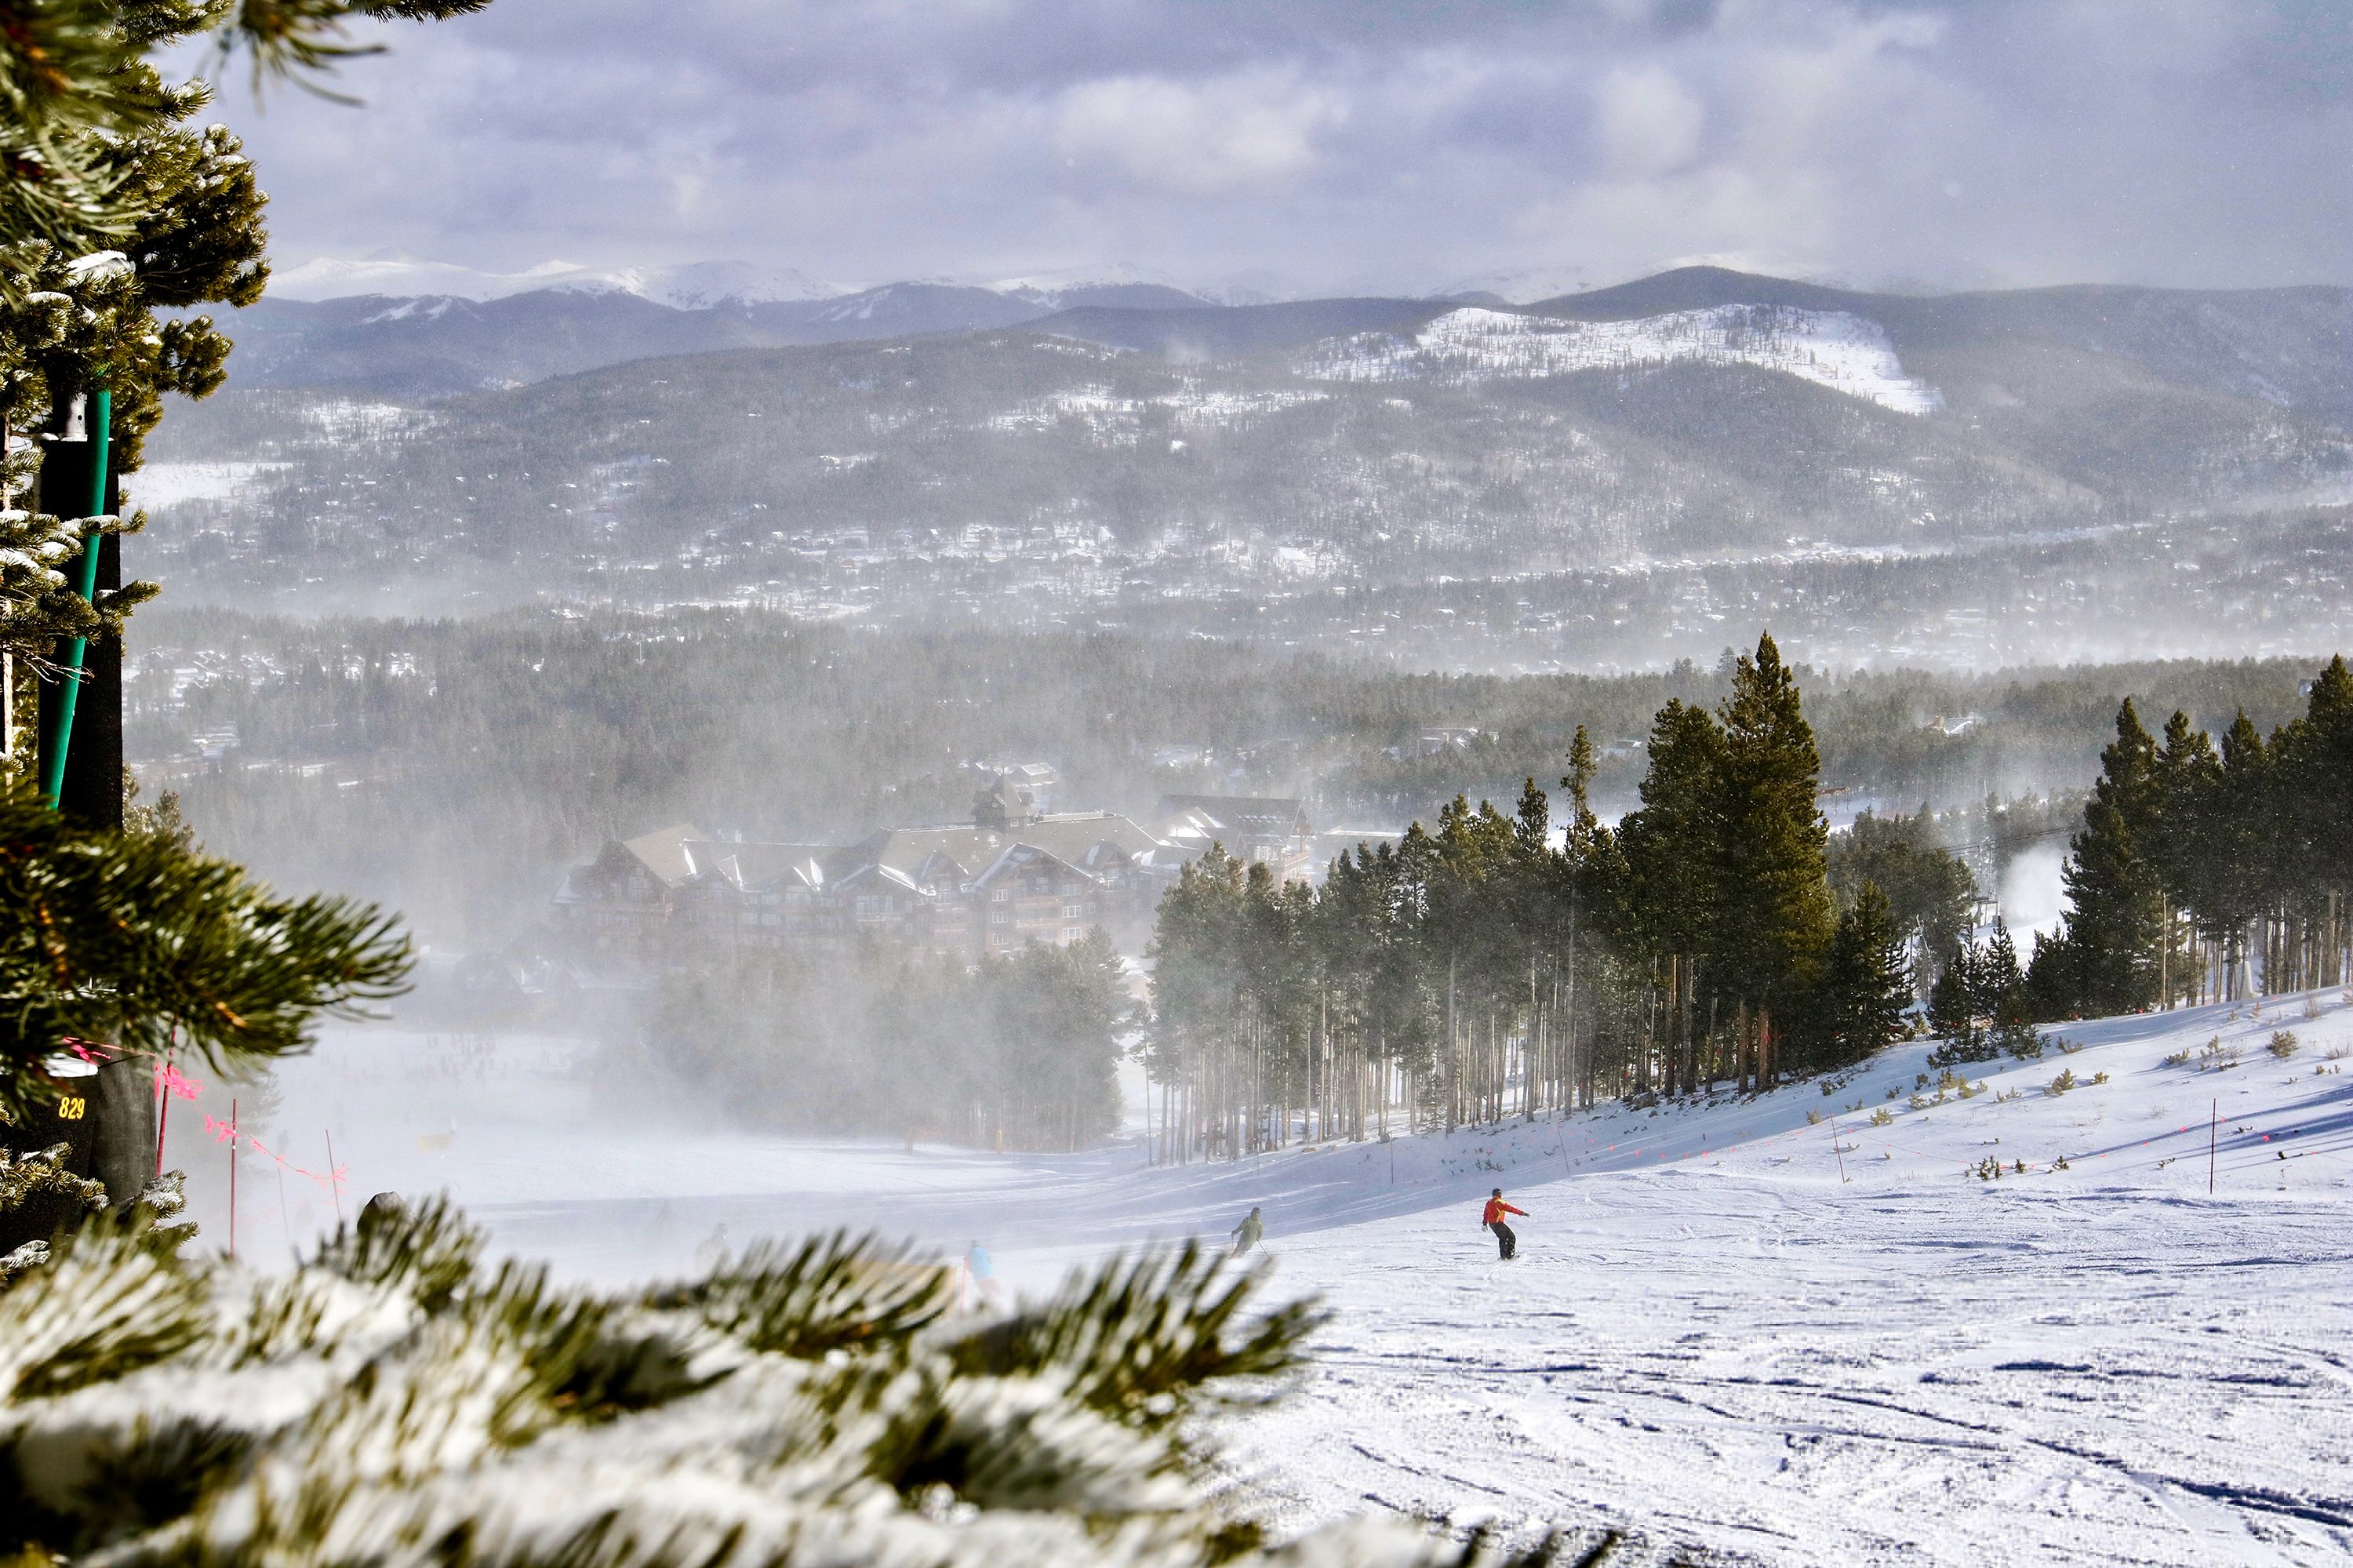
1492	1218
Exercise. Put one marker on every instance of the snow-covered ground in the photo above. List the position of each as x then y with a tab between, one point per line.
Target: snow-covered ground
1796	1342
1831	348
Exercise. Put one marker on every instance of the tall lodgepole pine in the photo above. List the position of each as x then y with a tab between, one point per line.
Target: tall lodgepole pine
1777	913
1870	981
2115	898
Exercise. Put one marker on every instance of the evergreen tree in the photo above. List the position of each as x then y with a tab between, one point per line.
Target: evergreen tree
1995	981
2115	899
819	1396
117	217
1927	886
1588	865
2055	985
1669	898
138	941
2323	784
1870	984
1477	969
1999	989
2238	878
2187	772
1953	1008
1778	917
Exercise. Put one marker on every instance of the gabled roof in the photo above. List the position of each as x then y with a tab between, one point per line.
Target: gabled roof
1018	858
664	853
1265	815
759	865
1092	839
943	857
926	861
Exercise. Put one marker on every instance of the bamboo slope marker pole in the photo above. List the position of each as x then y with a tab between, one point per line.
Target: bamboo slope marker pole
232	1179
164	1097
163	1109
334	1180
53	755
2212	1126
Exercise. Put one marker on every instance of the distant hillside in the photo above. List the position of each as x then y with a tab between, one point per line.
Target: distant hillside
433	345
1097	462
1226	331
2290	347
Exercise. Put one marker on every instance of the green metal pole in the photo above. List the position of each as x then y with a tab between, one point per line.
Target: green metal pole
53	754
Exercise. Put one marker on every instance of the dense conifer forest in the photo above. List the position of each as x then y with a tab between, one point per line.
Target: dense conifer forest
1505	964
454	767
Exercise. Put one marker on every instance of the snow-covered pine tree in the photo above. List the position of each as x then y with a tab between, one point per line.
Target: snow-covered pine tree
397	1400
115	208
137	941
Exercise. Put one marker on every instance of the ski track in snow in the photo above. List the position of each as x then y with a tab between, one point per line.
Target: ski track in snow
1710	1335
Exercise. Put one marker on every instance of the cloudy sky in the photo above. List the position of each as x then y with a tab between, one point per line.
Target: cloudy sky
1345	145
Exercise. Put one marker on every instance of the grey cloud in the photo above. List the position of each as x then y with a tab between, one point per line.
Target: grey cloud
2023	141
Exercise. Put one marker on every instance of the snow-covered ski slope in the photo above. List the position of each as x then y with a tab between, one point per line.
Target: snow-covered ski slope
1726	1326
1831	348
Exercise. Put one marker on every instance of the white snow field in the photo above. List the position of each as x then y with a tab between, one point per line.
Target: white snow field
1844	353
1727	1328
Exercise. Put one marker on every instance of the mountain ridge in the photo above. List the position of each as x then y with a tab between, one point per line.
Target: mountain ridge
2290	346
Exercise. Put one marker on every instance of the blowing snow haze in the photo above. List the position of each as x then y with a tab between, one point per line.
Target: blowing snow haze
1545	342
1114	641
1589	333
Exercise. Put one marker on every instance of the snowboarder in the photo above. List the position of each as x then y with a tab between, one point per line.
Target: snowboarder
981	1269
1492	1218
1246	1234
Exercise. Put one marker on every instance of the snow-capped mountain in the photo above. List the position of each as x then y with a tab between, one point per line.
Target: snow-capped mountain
1053	285
1524	287
1831	348
1255	286
2285	347
704	285
694	285
1527	285
699	285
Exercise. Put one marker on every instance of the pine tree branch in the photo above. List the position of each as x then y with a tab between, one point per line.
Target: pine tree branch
127	937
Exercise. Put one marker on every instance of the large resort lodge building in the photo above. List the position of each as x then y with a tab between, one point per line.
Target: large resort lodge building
1013	875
